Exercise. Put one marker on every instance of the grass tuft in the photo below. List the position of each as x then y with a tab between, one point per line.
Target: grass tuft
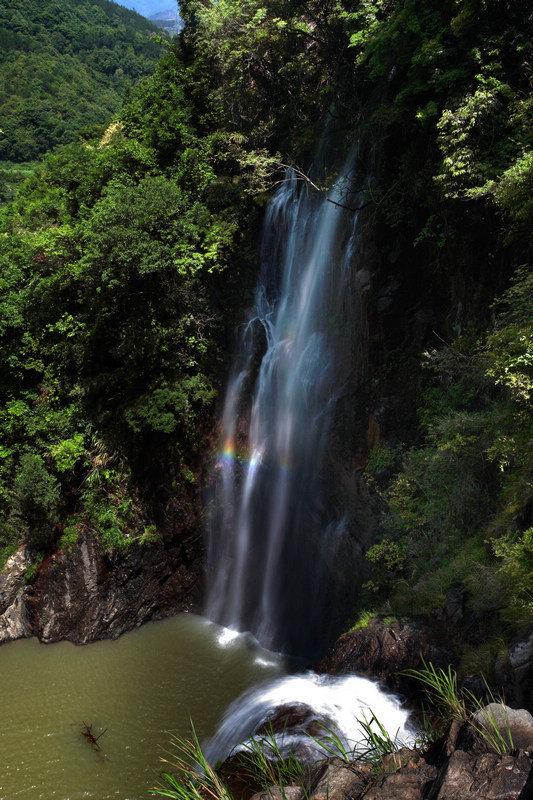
452	704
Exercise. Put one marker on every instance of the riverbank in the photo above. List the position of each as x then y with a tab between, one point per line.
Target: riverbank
456	766
385	649
486	755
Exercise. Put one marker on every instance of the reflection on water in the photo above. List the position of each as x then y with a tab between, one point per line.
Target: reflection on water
141	688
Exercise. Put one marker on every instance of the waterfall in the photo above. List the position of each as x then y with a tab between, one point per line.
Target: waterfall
339	705
273	531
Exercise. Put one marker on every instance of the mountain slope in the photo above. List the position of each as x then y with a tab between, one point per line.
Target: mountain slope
63	66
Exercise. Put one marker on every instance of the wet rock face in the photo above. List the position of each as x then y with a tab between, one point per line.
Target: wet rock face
14	618
84	595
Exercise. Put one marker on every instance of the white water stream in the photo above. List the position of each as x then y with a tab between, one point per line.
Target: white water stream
273	533
274	536
339	707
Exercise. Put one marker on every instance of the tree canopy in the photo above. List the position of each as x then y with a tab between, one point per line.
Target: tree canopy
66	66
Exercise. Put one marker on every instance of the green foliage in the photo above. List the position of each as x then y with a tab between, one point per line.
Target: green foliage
265	765
363	620
64	67
514	195
112	511
260	763
192	777
68	452
383	461
510	352
461	135
71	532
34	566
110	298
34	501
490	722
11	176
454	115
516	552
274	63
463	495
378	742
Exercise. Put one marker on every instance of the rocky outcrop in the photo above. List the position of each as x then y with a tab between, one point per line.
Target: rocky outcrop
464	775
14	617
83	594
461	765
383	650
484	777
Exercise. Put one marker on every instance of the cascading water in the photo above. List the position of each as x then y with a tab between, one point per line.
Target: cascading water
276	543
272	525
340	706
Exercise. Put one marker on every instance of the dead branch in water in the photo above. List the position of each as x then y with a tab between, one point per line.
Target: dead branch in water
92	739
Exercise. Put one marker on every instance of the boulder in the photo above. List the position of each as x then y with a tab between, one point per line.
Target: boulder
514	726
484	777
292	718
521	666
407	784
380	651
338	779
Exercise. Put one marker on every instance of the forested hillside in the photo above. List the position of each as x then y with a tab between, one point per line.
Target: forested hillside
65	66
128	258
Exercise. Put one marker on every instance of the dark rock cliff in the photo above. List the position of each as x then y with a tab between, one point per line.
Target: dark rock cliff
384	650
83	593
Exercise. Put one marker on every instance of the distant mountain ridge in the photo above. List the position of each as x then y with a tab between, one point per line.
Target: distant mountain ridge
169	20
150	8
164	13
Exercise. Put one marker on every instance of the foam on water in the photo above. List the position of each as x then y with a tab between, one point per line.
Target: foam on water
340	704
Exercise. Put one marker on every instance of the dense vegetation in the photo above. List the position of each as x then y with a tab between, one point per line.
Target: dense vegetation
64	66
127	258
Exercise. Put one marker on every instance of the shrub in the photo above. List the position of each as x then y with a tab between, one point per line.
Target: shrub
35	500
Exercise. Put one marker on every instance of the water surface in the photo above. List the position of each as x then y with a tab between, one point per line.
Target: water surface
140	688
